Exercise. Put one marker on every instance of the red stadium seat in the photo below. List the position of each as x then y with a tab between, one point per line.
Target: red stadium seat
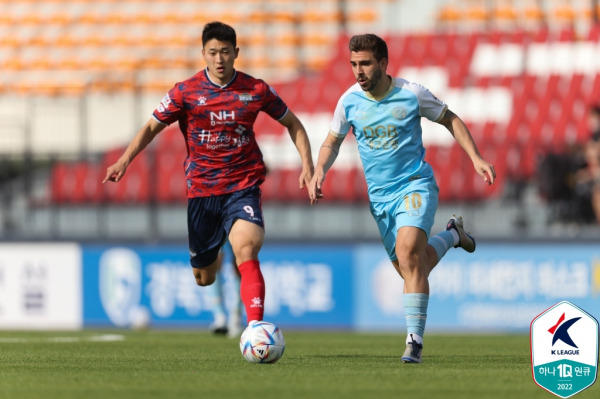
170	186
135	186
270	187
75	183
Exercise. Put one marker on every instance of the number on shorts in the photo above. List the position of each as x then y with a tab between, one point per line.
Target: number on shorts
413	201
248	209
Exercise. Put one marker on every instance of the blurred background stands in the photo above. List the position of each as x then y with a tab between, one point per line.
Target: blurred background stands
79	78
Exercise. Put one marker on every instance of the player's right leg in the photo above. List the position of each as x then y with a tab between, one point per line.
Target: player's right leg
216	301
205	238
244	222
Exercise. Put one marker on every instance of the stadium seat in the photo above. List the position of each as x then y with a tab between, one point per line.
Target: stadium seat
504	14
60	182
270	187
563	13
135	186
338	186
170	182
75	183
450	15
533	15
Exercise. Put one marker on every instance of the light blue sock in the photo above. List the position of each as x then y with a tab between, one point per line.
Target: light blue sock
214	296
415	312
442	242
238	306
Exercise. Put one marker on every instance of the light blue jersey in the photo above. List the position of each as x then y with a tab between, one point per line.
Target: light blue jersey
401	185
388	133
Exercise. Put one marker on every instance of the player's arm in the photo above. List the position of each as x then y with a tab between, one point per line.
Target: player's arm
302	143
327	155
461	134
143	137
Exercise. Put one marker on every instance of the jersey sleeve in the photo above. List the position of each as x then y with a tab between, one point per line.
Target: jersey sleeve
339	124
274	105
170	107
430	106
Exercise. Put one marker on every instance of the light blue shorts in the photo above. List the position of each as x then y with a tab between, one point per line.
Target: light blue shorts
415	206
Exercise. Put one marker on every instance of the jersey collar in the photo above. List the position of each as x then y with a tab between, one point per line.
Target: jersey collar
388	91
216	84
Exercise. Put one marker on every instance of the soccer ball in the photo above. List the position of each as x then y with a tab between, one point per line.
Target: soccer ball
262	342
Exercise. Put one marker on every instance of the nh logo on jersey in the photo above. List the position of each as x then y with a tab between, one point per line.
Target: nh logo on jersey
222	117
564	349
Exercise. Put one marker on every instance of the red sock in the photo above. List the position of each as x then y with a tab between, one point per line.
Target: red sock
252	289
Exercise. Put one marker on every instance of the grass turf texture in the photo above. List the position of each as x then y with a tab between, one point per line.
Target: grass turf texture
193	364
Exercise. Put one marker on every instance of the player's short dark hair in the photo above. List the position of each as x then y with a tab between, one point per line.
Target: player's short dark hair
369	42
220	31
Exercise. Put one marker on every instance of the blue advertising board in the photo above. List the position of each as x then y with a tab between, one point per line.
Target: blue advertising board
500	287
307	286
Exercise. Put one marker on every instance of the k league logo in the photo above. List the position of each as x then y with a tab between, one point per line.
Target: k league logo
564	349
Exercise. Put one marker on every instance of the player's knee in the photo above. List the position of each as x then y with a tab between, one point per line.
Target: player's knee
246	252
408	262
204	278
204	281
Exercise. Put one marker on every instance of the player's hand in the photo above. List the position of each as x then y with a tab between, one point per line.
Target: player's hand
305	177
485	170
314	188
114	173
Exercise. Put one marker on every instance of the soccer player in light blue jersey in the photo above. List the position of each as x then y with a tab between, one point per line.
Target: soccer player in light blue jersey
385	114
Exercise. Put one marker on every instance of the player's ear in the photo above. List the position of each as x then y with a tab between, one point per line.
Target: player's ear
236	51
384	63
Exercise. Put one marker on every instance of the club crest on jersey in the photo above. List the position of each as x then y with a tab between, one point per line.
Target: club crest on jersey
399	112
245	98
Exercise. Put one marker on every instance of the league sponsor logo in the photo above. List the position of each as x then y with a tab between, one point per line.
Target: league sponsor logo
245	98
564	349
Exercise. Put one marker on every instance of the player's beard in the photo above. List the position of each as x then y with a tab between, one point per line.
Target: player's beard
373	81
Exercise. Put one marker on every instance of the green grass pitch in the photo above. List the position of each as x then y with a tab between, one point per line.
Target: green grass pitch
194	364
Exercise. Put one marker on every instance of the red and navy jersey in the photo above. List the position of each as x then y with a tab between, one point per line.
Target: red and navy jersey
217	123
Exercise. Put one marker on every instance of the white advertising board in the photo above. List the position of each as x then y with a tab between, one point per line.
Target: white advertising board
40	286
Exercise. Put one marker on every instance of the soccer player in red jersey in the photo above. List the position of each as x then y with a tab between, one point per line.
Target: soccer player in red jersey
216	110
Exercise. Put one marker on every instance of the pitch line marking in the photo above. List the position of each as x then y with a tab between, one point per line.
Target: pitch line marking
94	338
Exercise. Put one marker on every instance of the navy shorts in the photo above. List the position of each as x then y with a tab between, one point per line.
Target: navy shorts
210	220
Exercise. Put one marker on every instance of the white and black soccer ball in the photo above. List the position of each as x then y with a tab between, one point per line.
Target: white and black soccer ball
262	342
